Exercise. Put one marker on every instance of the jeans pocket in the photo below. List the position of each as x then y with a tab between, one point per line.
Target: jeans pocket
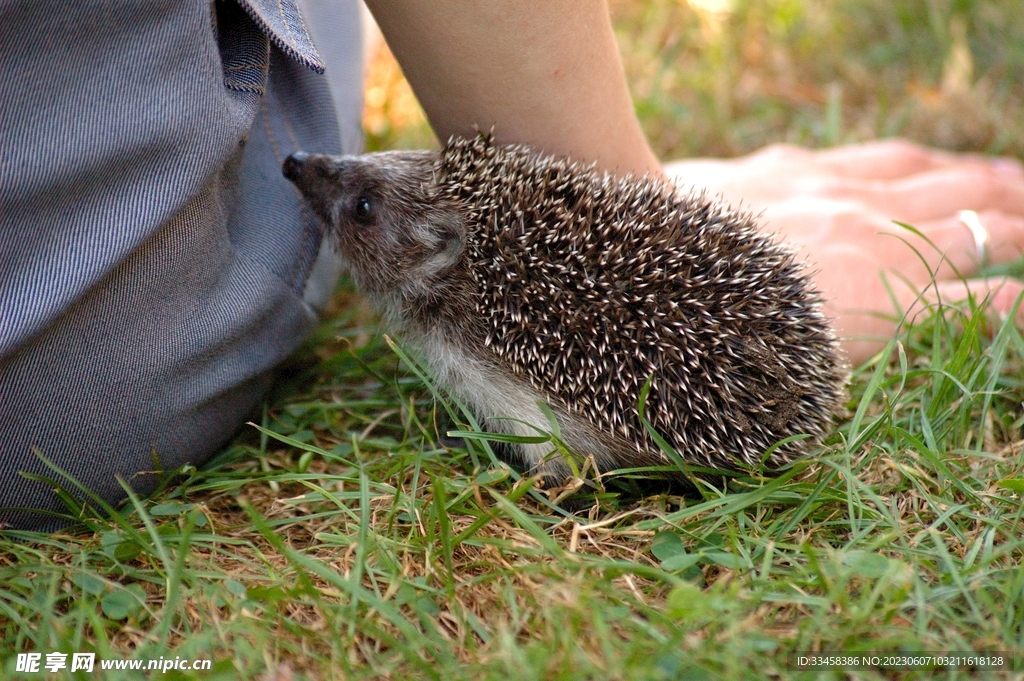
245	30
244	48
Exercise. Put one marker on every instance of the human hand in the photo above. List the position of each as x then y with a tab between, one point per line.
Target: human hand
838	208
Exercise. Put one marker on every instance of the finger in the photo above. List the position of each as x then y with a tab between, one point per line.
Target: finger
896	159
950	248
814	224
860	301
930	195
997	295
884	160
1000	294
864	331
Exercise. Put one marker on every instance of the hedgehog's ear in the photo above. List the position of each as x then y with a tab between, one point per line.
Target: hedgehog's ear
449	234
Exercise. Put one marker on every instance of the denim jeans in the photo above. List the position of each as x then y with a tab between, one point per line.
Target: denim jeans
154	264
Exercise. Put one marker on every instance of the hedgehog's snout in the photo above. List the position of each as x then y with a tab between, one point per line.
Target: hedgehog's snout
292	166
320	178
312	173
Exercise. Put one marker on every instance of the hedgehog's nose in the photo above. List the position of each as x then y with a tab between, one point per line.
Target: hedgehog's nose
292	166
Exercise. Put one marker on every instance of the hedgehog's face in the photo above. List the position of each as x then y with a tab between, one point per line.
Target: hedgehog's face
383	213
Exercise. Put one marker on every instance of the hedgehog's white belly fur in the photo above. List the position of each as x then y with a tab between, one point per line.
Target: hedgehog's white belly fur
508	405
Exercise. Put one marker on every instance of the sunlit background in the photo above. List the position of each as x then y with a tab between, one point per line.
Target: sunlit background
724	77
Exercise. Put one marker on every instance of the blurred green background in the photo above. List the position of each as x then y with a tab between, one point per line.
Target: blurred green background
725	77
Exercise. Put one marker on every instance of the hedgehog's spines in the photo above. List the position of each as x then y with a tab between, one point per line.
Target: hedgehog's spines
574	268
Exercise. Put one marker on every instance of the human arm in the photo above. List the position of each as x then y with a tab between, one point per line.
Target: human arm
546	74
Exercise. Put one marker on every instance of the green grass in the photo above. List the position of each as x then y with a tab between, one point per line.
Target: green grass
824	73
341	538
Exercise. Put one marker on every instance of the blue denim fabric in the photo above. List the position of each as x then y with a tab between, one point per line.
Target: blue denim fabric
153	260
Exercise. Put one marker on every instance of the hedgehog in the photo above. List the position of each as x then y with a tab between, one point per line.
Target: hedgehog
524	279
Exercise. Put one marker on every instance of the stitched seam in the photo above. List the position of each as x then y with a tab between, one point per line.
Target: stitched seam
293	273
302	23
313	62
284	20
243	64
237	87
243	67
240	85
305	257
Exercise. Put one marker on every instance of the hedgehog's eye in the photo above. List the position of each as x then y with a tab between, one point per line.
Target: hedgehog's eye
363	210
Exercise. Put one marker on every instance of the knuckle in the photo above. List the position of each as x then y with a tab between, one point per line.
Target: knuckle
904	150
783	153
